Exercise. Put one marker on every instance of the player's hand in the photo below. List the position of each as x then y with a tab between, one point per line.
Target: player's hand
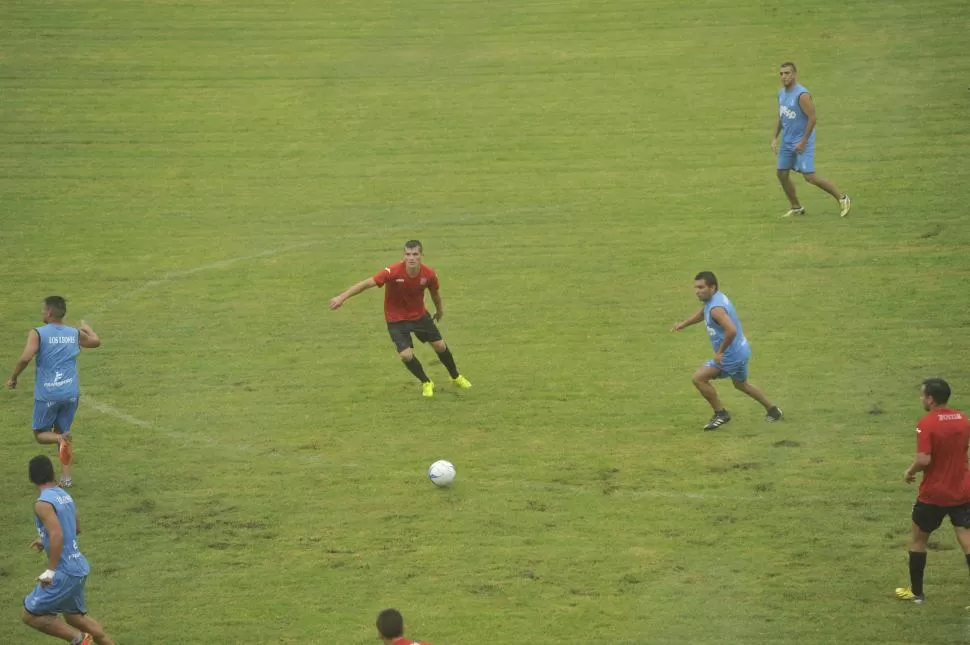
676	327
86	328
36	545
46	579
11	384
774	146
336	302
800	148
909	477
719	357
438	315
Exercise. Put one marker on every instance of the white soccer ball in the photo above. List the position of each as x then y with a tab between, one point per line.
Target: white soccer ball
442	473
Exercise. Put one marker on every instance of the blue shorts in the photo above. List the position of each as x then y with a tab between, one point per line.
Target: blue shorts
65	596
50	414
804	163
735	371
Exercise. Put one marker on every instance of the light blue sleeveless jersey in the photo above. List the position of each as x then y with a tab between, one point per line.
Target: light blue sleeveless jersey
57	363
793	118
739	350
72	562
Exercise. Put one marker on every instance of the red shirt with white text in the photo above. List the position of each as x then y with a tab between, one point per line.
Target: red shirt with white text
944	434
404	295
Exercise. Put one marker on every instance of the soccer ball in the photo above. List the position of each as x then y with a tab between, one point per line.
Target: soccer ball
441	473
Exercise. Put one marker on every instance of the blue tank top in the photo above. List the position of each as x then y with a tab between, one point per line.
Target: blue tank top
738	350
793	119
72	562
57	363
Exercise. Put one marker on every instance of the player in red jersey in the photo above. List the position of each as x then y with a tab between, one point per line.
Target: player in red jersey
406	314
390	629
942	438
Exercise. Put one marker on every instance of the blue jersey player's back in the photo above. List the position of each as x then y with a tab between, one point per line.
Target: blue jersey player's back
72	562
793	117
739	350
57	377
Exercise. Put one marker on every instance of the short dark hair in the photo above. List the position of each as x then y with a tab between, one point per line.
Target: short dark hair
390	623
414	244
937	389
41	470
57	305
708	277
788	63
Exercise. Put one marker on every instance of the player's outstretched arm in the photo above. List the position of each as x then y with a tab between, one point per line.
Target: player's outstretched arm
693	320
30	350
363	285
87	337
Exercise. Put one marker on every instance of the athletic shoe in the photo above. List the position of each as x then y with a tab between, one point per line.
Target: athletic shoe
65	483
774	414
64	451
461	382
427	389
846	205
795	211
718	420
87	640
905	593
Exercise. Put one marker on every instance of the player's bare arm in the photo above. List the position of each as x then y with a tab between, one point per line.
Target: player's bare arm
30	350
774	136
920	463
439	308
721	317
45	512
805	101
363	285
693	320
87	337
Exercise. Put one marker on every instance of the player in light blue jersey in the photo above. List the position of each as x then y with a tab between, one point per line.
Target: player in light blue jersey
60	589
56	388
796	125
731	351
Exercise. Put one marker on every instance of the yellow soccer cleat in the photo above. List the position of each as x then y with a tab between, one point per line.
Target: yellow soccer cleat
846	203
905	593
462	382
795	212
427	389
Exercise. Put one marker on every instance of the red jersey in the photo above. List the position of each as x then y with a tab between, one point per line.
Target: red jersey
404	295
407	641
944	434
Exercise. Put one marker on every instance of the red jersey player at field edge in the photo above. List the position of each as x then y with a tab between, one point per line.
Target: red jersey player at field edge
390	629
404	285
942	439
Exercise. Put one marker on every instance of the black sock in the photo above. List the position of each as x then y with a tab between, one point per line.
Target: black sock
415	367
917	563
968	559
722	412
449	362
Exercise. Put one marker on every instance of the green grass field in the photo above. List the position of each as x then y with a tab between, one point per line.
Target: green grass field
198	179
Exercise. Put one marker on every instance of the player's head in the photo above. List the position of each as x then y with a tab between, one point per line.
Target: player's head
705	285
412	253
788	72
41	470
55	308
390	624
934	393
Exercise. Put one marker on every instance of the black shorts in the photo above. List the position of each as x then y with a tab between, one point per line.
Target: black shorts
928	517
423	329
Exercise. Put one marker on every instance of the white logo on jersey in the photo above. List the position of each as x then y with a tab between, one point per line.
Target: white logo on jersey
918	431
424	281
786	112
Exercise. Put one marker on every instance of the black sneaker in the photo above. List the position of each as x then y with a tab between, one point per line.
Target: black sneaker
774	414
718	420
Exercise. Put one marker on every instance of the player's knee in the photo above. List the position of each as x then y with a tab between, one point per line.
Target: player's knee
28	618
699	379
740	385
782	174
809	177
439	346
407	354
